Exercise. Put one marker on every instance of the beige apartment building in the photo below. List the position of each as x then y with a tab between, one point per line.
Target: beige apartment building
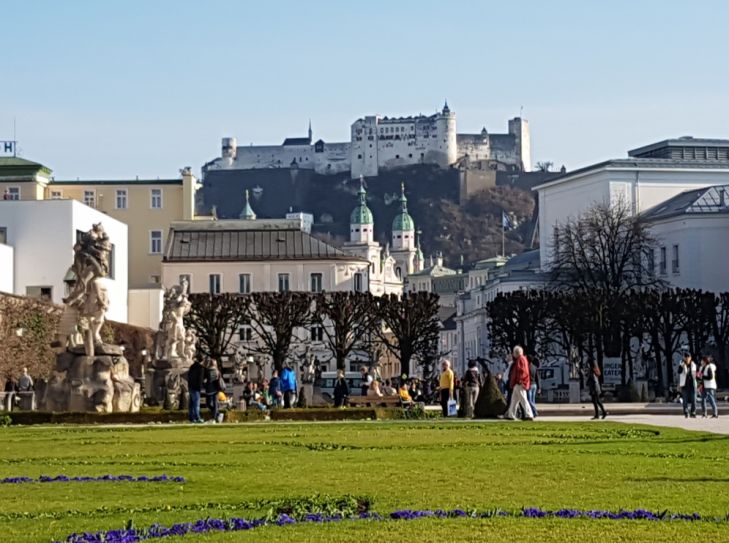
147	206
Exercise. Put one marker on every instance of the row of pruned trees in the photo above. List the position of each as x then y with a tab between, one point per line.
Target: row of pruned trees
648	324
604	296
406	325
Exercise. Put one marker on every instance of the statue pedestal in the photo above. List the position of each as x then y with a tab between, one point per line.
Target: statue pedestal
169	382
99	383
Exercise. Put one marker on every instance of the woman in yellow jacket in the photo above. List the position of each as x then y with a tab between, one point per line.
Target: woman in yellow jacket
447	384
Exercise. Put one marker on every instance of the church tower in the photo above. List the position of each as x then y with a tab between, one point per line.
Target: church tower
361	224
247	214
403	238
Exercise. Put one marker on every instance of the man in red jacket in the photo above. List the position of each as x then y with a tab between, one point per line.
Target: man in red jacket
519	382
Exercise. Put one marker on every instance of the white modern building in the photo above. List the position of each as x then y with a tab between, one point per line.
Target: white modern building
692	230
41	235
650	176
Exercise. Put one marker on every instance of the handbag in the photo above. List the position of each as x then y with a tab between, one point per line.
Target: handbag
452	408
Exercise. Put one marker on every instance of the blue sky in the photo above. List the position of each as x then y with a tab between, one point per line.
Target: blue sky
124	88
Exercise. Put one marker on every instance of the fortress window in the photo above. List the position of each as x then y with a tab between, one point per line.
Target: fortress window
359	156
410	155
397	156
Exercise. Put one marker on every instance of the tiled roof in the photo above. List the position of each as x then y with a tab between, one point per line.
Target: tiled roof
12	165
202	245
297	141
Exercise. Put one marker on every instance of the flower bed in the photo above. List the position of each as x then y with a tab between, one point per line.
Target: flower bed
210	525
94	479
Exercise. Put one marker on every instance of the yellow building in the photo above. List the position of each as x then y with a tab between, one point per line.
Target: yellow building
147	206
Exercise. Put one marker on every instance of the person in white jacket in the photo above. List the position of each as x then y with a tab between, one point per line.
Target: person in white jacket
687	385
708	375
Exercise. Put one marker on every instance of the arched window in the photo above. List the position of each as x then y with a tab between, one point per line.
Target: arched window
398	272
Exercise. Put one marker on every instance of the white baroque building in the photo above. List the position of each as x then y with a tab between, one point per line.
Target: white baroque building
383	143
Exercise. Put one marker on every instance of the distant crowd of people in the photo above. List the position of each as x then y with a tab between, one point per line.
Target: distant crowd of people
207	380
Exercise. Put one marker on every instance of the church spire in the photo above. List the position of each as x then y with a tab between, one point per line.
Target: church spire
247	213
311	134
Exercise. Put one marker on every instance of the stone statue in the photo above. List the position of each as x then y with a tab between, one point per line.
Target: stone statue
190	346
171	336
90	375
174	349
89	297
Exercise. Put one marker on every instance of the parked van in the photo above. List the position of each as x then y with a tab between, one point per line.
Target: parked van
325	383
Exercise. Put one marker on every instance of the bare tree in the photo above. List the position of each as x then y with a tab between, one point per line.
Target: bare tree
604	249
215	318
347	319
413	326
274	317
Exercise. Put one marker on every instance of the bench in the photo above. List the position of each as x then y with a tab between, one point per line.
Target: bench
369	401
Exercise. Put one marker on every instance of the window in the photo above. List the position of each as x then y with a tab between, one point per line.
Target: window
121	198
317	332
90	198
244	283
662	266
155	279
56	195
155	242
650	256
40	293
214	282
12	193
185	277
675	263
316	280
3	234
245	332
156	198
358	282
283	282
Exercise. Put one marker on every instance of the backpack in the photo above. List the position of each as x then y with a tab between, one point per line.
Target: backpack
470	377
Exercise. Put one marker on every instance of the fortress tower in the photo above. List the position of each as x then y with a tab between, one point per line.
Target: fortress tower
446	132
519	128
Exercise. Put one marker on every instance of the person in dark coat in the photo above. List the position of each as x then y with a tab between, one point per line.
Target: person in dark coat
593	384
341	389
212	387
274	390
195	378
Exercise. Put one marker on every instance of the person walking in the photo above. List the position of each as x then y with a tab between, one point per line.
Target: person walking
520	382
212	387
341	389
366	380
274	390
708	375
195	378
471	386
687	385
534	387
593	385
288	386
446	386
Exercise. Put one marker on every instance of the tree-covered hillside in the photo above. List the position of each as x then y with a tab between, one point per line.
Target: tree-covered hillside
471	229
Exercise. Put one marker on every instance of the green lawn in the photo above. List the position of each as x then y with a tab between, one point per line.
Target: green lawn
425	465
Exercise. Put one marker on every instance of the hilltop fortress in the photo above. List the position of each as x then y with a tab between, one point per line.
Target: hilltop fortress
384	143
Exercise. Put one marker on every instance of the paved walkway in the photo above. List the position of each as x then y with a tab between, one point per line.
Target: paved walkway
717	426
